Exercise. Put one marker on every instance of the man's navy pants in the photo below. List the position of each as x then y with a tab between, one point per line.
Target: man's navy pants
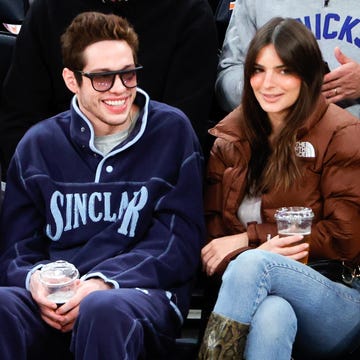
114	324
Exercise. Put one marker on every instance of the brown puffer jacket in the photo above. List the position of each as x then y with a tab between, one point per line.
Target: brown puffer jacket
331	185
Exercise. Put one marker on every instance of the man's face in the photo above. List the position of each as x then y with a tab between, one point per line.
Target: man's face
108	111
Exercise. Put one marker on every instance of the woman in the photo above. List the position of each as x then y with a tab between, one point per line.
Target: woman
284	146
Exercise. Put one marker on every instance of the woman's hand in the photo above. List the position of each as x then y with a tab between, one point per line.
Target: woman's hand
287	246
213	253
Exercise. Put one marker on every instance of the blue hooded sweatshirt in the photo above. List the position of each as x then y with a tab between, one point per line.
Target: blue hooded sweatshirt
133	217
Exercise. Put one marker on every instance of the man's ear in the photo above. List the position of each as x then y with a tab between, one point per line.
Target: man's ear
70	80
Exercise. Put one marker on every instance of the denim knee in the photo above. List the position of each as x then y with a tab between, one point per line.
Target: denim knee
275	317
248	264
244	282
272	330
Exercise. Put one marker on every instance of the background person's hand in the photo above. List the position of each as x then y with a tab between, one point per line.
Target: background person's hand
286	246
344	81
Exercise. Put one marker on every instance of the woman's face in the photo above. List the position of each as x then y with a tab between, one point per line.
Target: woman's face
275	88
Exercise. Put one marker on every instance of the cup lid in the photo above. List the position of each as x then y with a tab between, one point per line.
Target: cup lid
294	213
57	273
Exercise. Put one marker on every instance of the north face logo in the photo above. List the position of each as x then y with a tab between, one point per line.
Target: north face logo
304	149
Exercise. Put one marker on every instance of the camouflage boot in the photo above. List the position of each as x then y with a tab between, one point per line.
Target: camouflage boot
224	339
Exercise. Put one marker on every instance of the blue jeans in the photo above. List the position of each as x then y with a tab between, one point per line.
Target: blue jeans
290	307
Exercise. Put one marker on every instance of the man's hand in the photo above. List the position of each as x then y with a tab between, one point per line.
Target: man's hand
285	246
70	310
344	81
47	308
213	253
63	318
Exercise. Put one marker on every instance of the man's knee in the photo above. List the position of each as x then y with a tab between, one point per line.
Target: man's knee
107	305
13	298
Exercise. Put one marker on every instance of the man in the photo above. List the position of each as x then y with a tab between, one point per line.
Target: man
113	186
178	49
336	26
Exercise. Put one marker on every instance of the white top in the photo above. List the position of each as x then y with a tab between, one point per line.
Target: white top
250	210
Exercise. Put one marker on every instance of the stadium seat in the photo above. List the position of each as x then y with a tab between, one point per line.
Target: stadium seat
7	42
13	11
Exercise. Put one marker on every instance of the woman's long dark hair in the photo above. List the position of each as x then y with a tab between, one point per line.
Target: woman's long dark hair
275	166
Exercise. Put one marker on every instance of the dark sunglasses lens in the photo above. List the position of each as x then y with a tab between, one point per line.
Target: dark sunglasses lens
129	79
103	82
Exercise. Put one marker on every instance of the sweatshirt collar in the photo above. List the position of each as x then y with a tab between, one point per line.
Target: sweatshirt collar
82	131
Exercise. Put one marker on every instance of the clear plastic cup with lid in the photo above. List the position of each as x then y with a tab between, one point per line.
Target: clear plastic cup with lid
59	279
295	220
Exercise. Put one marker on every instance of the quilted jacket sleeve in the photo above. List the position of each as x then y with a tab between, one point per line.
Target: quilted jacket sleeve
337	235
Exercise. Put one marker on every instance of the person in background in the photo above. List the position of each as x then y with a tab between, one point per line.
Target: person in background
336	26
213	4
178	50
2	190
285	145
222	15
113	186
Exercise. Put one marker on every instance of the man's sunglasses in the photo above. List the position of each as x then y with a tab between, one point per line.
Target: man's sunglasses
104	81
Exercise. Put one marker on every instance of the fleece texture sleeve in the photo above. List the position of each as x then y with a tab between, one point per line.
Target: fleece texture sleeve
133	217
